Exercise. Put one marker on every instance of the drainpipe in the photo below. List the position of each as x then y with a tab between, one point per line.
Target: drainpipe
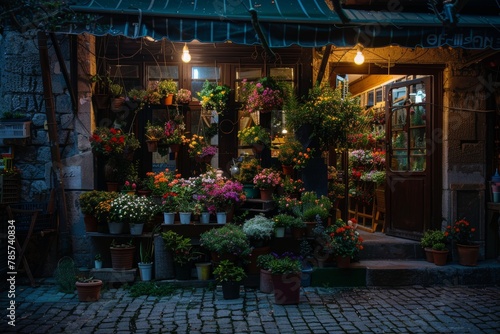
53	139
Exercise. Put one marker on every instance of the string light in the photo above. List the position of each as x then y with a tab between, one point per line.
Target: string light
359	59
186	57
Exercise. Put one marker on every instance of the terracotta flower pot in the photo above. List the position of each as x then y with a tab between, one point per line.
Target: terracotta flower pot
122	258
89	291
440	257
468	254
287	288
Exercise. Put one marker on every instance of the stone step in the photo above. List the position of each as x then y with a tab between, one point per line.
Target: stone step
407	273
377	245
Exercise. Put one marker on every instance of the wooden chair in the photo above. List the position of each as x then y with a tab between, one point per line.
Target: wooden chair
32	218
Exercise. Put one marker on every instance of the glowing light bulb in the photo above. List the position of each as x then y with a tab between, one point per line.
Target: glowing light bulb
186	57
359	59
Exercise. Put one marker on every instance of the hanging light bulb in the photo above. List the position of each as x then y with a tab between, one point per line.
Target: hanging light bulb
359	59
186	57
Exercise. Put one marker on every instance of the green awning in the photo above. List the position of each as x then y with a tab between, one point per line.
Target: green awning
307	23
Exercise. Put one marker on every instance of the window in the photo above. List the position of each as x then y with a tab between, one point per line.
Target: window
155	73
199	74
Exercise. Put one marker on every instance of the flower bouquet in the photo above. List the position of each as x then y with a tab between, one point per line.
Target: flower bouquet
267	178
183	96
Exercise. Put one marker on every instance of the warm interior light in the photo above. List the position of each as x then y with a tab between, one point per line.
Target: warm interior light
359	59
186	57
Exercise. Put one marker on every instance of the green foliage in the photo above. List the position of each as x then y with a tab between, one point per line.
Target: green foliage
249	167
310	214
166	87
259	227
229	239
330	116
285	265
147	246
432	237
440	246
90	199
227	271
264	260
66	275
255	135
286	220
181	248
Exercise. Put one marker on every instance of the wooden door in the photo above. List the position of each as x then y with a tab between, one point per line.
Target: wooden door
408	163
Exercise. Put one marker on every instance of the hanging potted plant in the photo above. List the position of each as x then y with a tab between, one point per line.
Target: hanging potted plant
154	134
230	276
214	97
117	98
167	89
256	136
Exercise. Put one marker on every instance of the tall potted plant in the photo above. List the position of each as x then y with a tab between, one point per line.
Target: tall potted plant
183	253
230	276
146	254
286	274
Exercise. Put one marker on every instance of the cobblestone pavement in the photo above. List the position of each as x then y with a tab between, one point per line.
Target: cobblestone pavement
449	309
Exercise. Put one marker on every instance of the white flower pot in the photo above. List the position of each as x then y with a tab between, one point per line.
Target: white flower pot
146	271
98	264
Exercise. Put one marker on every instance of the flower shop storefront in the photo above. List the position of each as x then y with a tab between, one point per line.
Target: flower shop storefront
223	67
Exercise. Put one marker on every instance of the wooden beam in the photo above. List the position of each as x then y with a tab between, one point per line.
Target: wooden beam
369	82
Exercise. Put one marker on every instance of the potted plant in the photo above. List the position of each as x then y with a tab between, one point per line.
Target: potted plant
462	234
345	243
167	89
286	275
214	96
146	254
154	134
267	180
88	288
229	275
256	136
183	253
282	221
429	238
259	230
88	202
183	96
440	254
222	195
122	255
262	96
132	210
288	153
98	261
266	281
248	168
226	242
117	98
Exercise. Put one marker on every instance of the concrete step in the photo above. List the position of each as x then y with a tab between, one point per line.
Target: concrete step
378	246
407	273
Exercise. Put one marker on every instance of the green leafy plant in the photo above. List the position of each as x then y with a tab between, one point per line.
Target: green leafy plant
259	228
181	248
116	89
229	239
90	199
286	220
287	263
255	135
154	132
166	87
289	151
264	260
249	167
440	246
98	257
227	271
147	246
432	237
